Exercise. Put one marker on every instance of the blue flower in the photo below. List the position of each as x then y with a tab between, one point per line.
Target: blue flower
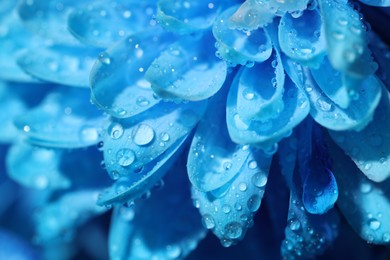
200	113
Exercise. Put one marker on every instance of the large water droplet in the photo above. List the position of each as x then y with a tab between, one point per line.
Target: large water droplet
254	203
259	180
143	134
233	230
125	157
294	224
115	130
374	224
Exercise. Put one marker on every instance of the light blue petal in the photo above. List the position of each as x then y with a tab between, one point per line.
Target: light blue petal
384	3
365	98
138	183
302	38
187	73
136	233
49	18
130	144
251	15
365	204
370	148
36	167
346	38
260	91
187	16
228	211
101	24
59	64
117	79
59	219
14	38
239	47
65	119
213	159
266	134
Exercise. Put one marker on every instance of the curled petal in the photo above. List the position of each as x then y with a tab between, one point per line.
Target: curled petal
302	38
238	47
117	79
370	147
101	24
62	120
228	211
346	38
364	203
187	73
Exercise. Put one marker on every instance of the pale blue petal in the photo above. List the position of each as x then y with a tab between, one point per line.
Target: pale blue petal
346	38
59	64
266	134
229	210
370	148
62	120
260	90
59	219
364	99
239	47
302	38
130	144
49	18
135	232
187	16
384	3
101	24
14	38
252	15
365	204
213	159
36	167
117	79
187	73
381	52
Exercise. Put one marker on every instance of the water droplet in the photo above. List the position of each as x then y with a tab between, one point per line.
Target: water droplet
233	230
386	237
252	164
125	157
226	242
143	134
259	179
238	206
208	221
227	165
249	95
104	58
374	224
115	130
165	137
253	203
365	187
323	105
242	186
226	209
142	102
294	224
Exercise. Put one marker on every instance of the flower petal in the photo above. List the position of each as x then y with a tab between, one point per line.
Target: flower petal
189	16
101	24
370	147
59	219
364	203
187	73
266	134
238	47
117	79
381	52
384	3
228	211
59	64
252	15
302	38
135	232
346	38
62	121
36	167
132	143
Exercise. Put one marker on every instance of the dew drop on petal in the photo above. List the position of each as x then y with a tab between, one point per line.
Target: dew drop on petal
143	134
